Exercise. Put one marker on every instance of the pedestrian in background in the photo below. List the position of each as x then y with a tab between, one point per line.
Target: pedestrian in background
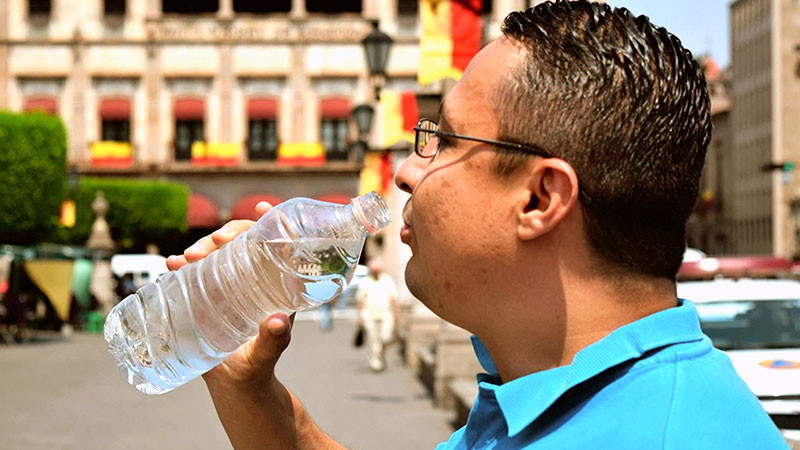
377	313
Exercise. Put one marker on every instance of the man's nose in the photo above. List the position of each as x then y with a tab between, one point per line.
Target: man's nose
409	172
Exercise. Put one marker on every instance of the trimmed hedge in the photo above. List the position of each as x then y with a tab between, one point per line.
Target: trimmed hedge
139	211
33	158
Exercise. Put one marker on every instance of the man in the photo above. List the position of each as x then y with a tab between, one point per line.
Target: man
547	217
377	313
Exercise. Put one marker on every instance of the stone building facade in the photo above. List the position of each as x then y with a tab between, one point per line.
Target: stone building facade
765	205
244	76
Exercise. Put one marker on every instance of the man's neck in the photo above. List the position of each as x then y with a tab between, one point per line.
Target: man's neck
558	326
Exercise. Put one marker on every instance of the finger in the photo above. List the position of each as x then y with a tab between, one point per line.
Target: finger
229	231
262	208
200	249
274	335
175	262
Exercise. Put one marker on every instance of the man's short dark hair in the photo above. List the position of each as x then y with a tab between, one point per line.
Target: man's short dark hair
626	105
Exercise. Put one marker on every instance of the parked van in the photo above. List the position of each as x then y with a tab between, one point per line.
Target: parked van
143	268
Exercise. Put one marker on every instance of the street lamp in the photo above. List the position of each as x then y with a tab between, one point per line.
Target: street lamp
376	46
362	115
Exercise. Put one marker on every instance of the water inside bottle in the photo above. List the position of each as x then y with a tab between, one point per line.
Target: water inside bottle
294	275
321	267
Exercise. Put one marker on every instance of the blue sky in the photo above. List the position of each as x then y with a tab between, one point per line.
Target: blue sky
702	25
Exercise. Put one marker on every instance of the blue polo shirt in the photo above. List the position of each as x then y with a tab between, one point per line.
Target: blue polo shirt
656	383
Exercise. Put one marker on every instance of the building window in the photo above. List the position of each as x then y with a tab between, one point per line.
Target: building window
114	7
189	126
115	116
116	130
407	7
39	8
262	139
262	129
333	134
190	6
334	128
187	132
262	6
327	6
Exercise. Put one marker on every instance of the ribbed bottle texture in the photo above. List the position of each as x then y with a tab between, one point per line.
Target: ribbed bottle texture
299	255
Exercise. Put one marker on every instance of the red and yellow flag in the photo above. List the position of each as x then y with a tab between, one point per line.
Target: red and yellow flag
215	153
451	36
399	117
301	154
377	173
111	154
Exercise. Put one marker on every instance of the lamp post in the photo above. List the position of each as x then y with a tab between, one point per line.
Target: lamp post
362	115
377	45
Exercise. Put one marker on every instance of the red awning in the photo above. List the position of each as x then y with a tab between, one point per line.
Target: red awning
334	108
262	108
202	213
115	108
189	109
336	198
47	105
245	207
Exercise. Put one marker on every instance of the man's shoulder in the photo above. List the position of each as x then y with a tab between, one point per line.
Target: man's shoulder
702	398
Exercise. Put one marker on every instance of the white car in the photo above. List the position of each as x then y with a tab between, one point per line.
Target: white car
757	323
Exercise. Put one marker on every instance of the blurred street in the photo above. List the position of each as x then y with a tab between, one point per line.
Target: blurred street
66	393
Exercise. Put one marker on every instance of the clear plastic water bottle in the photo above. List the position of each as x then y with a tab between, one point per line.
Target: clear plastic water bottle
299	255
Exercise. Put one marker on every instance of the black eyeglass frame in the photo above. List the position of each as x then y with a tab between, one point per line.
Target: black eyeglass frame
418	129
525	148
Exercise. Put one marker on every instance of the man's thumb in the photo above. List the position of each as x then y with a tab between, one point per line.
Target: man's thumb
274	335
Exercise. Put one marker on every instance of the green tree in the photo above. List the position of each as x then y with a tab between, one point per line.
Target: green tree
139	211
33	152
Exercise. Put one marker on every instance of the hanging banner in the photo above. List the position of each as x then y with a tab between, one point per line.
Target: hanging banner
451	36
301	154
400	116
54	278
377	173
215	153
111	154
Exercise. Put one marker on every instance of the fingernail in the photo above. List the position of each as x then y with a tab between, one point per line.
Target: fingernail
277	326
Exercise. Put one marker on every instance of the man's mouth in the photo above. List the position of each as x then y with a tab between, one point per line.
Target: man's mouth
405	230
407	214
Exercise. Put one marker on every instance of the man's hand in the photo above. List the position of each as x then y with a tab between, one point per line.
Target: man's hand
256	359
255	409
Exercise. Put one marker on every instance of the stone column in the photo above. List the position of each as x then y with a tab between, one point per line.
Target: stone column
153	9
4	81
79	82
300	86
225	9
226	84
298	9
152	87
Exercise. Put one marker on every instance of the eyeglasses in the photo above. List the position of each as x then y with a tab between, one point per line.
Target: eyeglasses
427	130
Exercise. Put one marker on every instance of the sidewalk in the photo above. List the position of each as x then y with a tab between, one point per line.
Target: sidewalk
65	393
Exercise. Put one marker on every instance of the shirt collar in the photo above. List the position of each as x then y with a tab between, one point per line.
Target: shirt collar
523	400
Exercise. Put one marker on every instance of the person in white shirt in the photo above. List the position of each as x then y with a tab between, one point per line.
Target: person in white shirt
377	313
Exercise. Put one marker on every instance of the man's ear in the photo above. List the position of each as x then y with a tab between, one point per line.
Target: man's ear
552	192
